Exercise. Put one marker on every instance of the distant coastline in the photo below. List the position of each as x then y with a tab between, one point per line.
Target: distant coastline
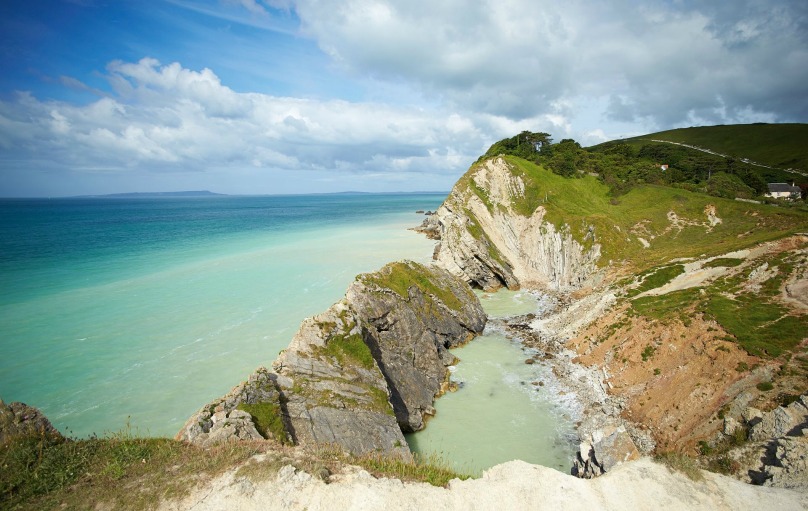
207	193
148	195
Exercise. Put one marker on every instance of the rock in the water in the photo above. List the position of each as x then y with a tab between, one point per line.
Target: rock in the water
360	372
409	329
19	420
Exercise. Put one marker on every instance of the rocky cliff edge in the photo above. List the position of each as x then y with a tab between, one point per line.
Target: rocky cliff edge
358	374
494	232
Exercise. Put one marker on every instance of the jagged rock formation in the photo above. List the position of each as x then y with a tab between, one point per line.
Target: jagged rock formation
492	234
357	374
19	419
778	445
602	451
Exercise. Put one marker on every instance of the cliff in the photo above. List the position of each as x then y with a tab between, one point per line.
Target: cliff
494	232
358	374
685	307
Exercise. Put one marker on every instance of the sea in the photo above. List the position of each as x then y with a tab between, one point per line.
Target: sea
135	312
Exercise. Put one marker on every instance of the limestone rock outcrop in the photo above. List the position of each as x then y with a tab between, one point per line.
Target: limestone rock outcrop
780	438
601	451
494	233
359	373
18	420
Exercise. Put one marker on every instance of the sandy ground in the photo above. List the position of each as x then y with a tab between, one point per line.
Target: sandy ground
511	486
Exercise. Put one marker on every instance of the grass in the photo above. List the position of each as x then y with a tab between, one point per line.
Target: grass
401	276
349	348
431	469
778	145
120	472
658	278
129	473
585	202
761	328
268	419
666	306
723	262
679	462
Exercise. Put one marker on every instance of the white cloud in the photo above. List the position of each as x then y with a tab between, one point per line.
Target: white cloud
668	61
170	118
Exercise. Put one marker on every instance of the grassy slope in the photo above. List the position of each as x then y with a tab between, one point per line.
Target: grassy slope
582	202
761	143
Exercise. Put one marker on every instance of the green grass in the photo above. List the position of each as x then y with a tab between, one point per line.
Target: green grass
349	348
777	145
268	419
401	276
584	202
723	262
658	278
761	328
666	306
679	462
430	469
121	471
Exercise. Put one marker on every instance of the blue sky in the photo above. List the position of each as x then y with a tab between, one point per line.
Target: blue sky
295	96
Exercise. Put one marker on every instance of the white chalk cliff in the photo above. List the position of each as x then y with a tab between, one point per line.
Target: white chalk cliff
488	241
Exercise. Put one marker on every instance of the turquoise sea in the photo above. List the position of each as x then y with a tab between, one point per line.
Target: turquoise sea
143	310
140	311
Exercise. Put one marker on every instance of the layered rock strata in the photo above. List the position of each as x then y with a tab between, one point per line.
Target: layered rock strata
358	374
489	239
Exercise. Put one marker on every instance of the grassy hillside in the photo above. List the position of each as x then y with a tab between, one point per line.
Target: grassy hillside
672	221
778	145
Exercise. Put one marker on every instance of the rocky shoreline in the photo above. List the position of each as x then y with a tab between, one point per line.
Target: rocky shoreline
605	437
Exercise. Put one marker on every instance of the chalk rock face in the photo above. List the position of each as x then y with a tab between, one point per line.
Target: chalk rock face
360	372
18	420
602	451
783	420
782	440
493	234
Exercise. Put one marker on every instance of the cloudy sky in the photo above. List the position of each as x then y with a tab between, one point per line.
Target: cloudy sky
295	96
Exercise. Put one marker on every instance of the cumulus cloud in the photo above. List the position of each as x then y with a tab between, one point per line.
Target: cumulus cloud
664	62
170	118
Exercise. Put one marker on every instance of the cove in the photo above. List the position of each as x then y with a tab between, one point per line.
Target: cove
499	412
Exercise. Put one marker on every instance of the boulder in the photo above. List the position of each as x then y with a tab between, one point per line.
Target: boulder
783	420
791	466
602	451
18	420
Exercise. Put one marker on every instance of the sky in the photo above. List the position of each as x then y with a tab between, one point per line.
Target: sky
305	96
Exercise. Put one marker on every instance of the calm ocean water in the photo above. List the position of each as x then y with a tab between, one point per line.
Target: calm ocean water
146	309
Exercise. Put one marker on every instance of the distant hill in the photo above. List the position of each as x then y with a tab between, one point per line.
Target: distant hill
145	195
784	146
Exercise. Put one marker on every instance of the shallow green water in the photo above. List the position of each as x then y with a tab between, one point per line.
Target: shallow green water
145	310
498	414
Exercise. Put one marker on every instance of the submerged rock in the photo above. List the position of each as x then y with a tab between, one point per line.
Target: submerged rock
359	373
